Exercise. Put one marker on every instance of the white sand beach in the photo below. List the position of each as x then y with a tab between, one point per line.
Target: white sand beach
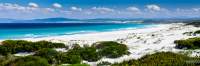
139	41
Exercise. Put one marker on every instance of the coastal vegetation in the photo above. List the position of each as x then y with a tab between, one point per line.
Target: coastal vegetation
191	43
111	49
29	61
197	32
195	23
46	55
15	46
162	59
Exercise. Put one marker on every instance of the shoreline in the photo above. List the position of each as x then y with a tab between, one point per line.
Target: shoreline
87	36
140	42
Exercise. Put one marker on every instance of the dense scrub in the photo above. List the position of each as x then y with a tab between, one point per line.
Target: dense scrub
48	54
15	46
162	59
111	49
29	61
75	55
197	32
191	43
194	23
45	55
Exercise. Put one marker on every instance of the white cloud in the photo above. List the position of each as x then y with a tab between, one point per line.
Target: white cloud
133	9
153	7
33	5
12	7
196	9
102	10
57	5
75	8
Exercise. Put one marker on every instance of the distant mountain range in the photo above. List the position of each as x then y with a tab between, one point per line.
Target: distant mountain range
104	20
61	20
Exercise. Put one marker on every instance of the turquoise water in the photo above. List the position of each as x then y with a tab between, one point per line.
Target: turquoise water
36	30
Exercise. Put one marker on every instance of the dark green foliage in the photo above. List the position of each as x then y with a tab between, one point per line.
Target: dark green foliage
197	32
49	54
69	58
76	46
111	49
161	59
195	23
86	53
4	50
191	43
15	46
90	54
75	55
29	61
54	57
47	44
188	33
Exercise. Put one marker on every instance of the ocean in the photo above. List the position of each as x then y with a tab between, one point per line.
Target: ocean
37	30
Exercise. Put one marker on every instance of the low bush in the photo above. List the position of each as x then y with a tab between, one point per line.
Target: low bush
4	50
68	58
191	43
111	49
161	59
197	32
86	53
48	54
15	46
90	54
29	61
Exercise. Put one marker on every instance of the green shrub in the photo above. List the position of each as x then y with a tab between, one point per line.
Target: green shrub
111	49
5	60
72	56
26	46
161	59
68	58
86	53
90	54
54	57
29	61
4	50
197	32
46	44
191	43
76	46
49	54
17	45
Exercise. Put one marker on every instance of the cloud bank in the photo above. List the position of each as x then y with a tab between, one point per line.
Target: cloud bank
33	10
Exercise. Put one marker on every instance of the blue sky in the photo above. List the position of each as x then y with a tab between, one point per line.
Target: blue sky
32	9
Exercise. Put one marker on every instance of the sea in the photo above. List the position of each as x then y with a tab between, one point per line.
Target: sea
37	30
